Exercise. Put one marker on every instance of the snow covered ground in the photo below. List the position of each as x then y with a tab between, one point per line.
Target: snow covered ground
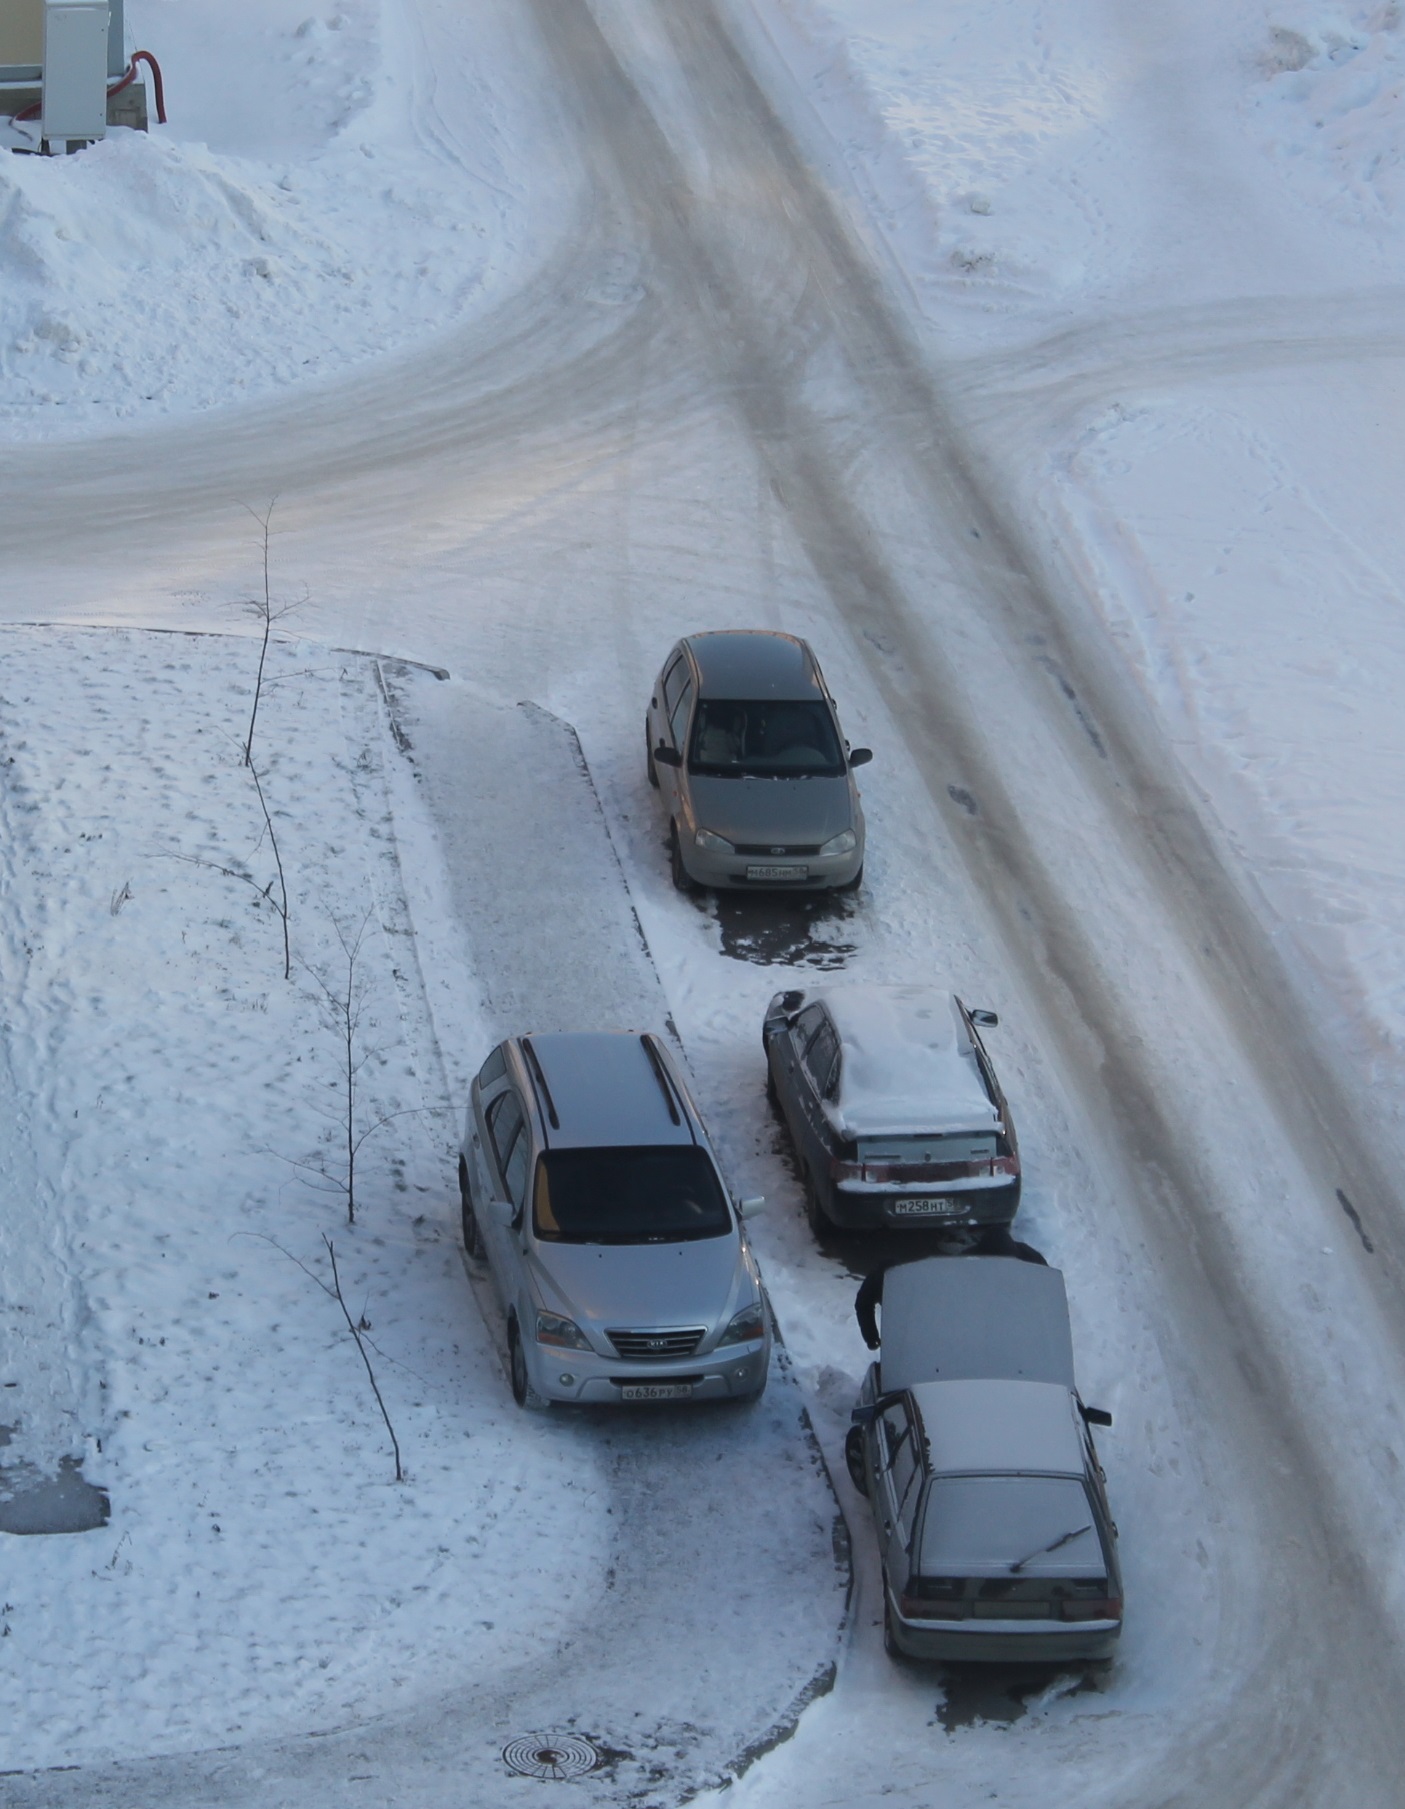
1159	253
335	181
174	1163
177	1102
1162	296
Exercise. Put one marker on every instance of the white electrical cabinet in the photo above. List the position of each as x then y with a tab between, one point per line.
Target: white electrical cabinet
74	103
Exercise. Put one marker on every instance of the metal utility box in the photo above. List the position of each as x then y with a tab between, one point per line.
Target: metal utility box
75	70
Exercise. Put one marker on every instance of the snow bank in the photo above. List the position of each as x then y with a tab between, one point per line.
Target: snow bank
331	185
172	1160
1033	164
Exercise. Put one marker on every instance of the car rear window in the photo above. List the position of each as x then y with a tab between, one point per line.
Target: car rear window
628	1196
1013	1526
767	740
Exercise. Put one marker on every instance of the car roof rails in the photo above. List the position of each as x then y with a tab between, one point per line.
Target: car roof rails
666	1086
534	1066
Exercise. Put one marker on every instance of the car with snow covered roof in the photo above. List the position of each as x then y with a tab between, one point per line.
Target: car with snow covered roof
590	1188
893	1107
976	1454
742	738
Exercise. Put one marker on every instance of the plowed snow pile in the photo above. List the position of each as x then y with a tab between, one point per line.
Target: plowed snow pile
332	184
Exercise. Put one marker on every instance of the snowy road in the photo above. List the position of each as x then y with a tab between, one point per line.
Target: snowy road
707	410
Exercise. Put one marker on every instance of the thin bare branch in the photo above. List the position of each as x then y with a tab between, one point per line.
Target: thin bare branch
356	1333
282	906
268	612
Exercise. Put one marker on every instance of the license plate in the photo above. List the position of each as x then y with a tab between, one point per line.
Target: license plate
778	872
925	1209
655	1391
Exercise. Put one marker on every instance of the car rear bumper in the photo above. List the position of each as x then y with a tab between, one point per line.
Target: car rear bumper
1006	1642
956	1205
585	1377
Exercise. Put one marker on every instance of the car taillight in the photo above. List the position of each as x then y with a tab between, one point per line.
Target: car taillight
1105	1608
934	1599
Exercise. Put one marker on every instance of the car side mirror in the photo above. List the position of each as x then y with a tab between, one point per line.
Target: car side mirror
860	756
502	1212
664	755
1095	1416
868	1411
985	1020
749	1208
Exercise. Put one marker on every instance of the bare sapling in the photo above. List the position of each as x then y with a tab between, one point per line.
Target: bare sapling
346	1002
354	1327
268	613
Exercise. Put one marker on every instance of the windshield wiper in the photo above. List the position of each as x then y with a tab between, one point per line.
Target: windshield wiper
1053	1545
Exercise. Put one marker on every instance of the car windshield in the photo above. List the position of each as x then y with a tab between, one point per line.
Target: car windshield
990	1525
774	740
628	1196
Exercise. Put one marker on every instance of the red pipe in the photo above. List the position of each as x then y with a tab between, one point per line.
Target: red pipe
145	56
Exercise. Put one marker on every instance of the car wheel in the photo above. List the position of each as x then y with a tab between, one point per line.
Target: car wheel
522	1390
649	766
682	879
472	1236
773	1098
852	885
853	1458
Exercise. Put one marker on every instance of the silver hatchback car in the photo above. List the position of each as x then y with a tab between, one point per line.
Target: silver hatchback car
742	738
590	1188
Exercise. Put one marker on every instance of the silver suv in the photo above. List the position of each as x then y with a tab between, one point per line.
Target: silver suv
622	1264
742	738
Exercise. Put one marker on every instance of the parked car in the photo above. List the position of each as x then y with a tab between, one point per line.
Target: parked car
621	1261
893	1107
975	1453
742	738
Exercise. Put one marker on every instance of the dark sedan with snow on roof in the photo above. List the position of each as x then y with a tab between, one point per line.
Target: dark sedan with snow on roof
893	1107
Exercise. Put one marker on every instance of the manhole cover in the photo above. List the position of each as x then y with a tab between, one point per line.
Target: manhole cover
551	1756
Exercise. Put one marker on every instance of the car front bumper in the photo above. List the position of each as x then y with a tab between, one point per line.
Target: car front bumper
1005	1642
731	1373
956	1205
730	872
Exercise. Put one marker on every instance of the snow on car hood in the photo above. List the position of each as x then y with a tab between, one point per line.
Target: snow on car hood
779	811
641	1285
908	1064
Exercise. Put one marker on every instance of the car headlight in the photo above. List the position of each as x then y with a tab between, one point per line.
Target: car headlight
843	843
565	1333
717	843
746	1326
